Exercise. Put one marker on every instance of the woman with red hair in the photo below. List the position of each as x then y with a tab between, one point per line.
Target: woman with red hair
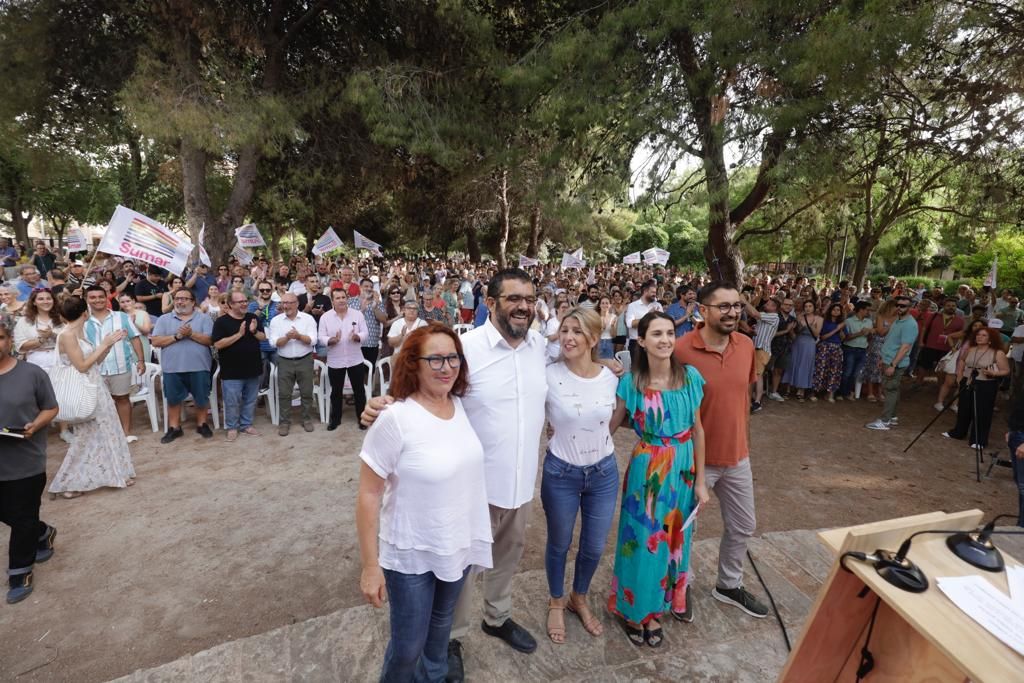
423	461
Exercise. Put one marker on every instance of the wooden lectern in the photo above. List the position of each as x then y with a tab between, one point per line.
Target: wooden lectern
917	636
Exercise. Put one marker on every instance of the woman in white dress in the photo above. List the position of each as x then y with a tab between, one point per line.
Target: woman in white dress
99	455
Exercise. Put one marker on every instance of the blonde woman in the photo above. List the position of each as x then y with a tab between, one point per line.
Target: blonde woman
871	373
580	475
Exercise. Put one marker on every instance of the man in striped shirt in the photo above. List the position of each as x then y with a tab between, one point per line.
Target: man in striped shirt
767	322
116	367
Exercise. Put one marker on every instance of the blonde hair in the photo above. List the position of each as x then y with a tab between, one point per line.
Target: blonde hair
590	323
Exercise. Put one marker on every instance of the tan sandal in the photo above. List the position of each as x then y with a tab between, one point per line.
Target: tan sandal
70	494
591	623
556	633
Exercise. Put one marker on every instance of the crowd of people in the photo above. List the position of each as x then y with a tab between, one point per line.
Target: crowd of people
481	359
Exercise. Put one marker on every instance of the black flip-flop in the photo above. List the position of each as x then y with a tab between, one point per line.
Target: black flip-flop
656	635
637	636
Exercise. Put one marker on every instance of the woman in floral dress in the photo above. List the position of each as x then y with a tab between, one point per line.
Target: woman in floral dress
828	358
663	483
98	456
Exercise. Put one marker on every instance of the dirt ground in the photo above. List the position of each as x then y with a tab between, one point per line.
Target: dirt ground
218	541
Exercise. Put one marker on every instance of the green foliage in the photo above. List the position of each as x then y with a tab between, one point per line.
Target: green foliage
1010	248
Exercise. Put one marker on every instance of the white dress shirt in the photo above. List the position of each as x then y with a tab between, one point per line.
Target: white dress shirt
505	404
637	310
303	323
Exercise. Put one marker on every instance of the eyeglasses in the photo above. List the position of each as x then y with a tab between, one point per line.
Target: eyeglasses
516	299
454	361
265	291
395	293
725	308
183	298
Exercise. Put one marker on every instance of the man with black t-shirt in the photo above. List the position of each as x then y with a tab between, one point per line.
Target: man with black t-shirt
149	291
237	336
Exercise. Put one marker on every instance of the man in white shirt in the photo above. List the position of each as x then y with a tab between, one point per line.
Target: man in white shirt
638	309
294	334
342	330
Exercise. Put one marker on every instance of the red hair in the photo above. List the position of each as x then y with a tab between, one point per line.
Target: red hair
405	366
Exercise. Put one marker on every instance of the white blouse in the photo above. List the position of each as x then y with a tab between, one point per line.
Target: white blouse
435	516
579	409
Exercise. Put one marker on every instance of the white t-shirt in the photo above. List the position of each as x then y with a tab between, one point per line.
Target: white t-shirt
1017	350
637	310
579	410
554	347
398	325
434	517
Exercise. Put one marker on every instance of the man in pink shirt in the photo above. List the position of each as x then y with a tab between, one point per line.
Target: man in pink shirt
342	330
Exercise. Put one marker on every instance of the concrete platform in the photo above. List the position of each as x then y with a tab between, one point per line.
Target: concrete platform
723	644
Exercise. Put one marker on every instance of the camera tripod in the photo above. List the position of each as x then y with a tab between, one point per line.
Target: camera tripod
979	451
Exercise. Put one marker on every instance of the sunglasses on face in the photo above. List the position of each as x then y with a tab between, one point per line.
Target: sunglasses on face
265	291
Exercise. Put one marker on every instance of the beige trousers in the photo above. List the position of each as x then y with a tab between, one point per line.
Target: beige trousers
509	530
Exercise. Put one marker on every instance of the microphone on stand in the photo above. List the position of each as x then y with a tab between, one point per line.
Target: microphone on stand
976	549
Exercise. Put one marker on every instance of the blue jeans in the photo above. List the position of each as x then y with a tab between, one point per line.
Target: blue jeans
1016	439
853	361
606	348
239	401
422	608
564	490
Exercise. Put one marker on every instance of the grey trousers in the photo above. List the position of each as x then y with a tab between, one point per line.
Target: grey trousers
289	372
734	487
509	530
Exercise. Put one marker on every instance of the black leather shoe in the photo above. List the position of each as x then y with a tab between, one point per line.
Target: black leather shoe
456	672
172	434
332	426
517	637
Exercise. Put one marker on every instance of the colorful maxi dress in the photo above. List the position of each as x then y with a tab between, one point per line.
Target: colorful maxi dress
652	554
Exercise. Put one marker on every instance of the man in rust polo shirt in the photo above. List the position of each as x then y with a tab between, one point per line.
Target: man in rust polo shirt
725	358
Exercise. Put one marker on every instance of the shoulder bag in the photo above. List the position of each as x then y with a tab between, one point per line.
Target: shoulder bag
76	394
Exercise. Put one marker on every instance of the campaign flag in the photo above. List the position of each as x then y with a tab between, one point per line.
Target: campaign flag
76	241
655	255
572	260
329	241
526	262
132	235
990	281
249	236
242	254
578	254
363	243
204	257
632	258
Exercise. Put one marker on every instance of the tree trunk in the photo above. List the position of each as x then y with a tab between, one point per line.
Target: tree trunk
830	257
504	219
473	244
533	246
723	257
19	221
865	247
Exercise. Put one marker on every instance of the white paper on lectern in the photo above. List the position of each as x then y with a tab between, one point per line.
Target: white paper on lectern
984	603
1015	577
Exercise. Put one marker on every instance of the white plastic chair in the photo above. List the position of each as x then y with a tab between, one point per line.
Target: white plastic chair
214	399
624	358
147	393
384	378
462	328
367	384
322	389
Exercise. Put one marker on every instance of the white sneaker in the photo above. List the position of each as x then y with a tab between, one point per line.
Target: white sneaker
131	438
894	422
776	396
939	407
878	425
66	436
955	408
